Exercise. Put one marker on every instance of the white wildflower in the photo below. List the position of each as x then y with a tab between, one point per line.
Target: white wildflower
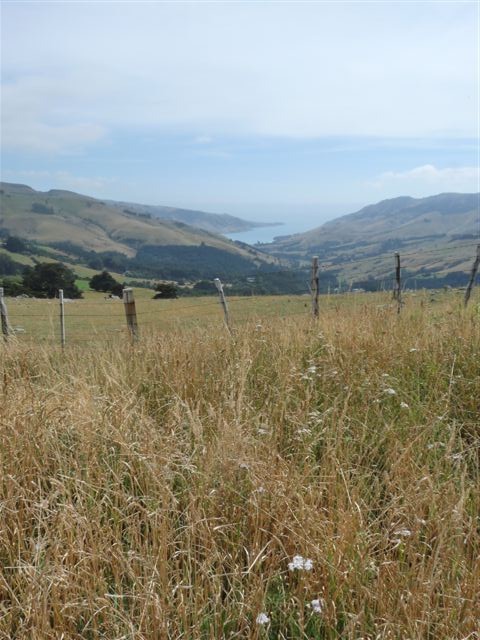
262	618
243	465
404	405
390	392
300	563
261	490
435	445
317	605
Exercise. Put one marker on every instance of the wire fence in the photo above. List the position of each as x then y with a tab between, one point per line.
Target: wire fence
94	321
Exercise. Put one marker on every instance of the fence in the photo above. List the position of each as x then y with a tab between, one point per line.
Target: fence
64	321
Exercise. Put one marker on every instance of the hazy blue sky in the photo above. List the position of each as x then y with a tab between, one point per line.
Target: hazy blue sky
266	109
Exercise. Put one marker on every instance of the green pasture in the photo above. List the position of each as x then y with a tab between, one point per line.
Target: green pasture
95	318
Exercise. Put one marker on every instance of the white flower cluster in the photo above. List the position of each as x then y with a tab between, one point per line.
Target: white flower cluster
263	619
317	605
299	563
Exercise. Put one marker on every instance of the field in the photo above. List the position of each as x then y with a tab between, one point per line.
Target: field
162	489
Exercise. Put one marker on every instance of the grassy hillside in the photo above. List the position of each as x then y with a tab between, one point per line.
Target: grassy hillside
425	228
59	216
162	490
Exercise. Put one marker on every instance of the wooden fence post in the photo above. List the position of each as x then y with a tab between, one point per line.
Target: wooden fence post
62	318
4	316
473	275
130	312
315	286
223	302
397	291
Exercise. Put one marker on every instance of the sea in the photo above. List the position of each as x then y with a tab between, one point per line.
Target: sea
268	234
304	219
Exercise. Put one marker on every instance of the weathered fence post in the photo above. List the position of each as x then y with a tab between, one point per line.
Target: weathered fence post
130	312
223	301
62	318
315	286
397	290
473	275
4	316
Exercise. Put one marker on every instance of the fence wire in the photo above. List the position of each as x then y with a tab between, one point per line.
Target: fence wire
91	326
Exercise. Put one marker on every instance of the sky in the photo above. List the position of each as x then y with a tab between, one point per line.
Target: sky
267	110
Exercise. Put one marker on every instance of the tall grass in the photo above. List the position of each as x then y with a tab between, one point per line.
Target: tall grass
161	490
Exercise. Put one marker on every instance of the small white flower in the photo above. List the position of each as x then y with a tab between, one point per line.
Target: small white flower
261	490
317	605
404	405
300	563
262	618
243	465
390	392
435	445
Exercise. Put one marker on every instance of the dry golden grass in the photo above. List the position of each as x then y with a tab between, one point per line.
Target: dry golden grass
160	490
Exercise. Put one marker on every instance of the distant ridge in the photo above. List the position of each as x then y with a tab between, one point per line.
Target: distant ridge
403	224
214	222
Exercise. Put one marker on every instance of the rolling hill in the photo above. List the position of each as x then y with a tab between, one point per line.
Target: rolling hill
57	217
438	233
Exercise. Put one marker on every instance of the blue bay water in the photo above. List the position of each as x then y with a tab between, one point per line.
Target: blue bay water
304	219
267	234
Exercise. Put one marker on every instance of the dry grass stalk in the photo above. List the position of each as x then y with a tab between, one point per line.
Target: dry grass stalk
161	491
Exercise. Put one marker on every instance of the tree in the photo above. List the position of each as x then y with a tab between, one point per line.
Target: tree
165	290
38	207
9	267
105	282
16	245
45	279
204	287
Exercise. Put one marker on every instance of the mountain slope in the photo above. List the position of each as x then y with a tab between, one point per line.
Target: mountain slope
60	216
214	222
424	227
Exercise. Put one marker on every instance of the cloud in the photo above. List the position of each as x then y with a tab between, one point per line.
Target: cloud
427	178
300	70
